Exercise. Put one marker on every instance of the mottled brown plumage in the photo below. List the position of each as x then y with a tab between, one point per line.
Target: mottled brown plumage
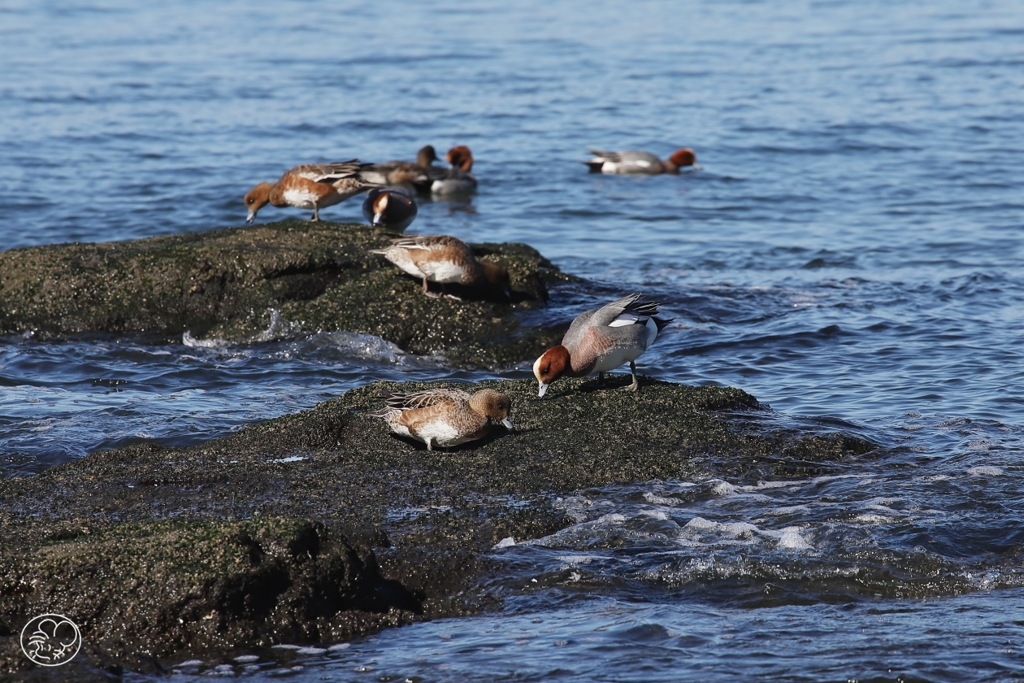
447	260
309	186
447	417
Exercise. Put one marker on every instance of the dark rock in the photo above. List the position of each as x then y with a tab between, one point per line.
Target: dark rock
320	526
248	284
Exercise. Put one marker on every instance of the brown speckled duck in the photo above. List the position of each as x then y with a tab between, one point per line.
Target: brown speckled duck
446	417
309	186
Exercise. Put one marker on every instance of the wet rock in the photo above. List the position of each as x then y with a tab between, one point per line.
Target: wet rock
322	525
232	284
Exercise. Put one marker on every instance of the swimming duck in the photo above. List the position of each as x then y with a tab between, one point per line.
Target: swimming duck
644	163
445	259
458	179
309	186
390	207
447	417
419	174
600	340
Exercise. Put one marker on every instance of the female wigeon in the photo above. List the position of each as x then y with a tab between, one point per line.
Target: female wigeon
390	207
635	162
600	340
309	186
446	417
447	260
458	180
419	174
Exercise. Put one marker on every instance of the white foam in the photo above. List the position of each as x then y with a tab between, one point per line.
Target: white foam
791	538
739	529
723	488
788	510
985	471
612	518
661	500
278	327
777	484
506	542
574	560
359	345
701	524
874	519
188	340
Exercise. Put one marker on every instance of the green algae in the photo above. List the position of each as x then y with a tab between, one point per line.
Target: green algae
225	284
322	525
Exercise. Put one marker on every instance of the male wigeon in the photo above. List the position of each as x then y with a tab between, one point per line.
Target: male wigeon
600	340
447	260
458	180
390	207
643	163
446	417
419	174
309	186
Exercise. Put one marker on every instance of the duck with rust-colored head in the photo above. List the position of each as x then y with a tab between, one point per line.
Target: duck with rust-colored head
458	180
309	186
447	260
390	207
600	340
640	163
446	417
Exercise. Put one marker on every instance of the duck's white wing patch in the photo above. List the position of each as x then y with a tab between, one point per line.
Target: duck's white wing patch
627	319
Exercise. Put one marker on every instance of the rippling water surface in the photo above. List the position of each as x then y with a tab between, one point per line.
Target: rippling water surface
849	252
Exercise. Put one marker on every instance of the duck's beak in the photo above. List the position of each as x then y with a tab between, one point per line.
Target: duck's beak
250	218
507	423
542	390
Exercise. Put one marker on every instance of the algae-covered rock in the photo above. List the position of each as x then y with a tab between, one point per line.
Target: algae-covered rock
230	284
148	590
317	526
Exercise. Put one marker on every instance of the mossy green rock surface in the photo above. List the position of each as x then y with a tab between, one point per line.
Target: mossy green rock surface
319	526
225	283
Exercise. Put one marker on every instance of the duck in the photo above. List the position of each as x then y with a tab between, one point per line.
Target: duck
309	186
418	175
390	207
640	163
602	339
447	260
458	179
446	417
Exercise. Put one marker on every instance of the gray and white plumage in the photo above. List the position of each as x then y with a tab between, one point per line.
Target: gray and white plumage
635	162
602	339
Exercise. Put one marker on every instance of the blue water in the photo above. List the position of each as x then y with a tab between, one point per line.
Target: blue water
849	252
